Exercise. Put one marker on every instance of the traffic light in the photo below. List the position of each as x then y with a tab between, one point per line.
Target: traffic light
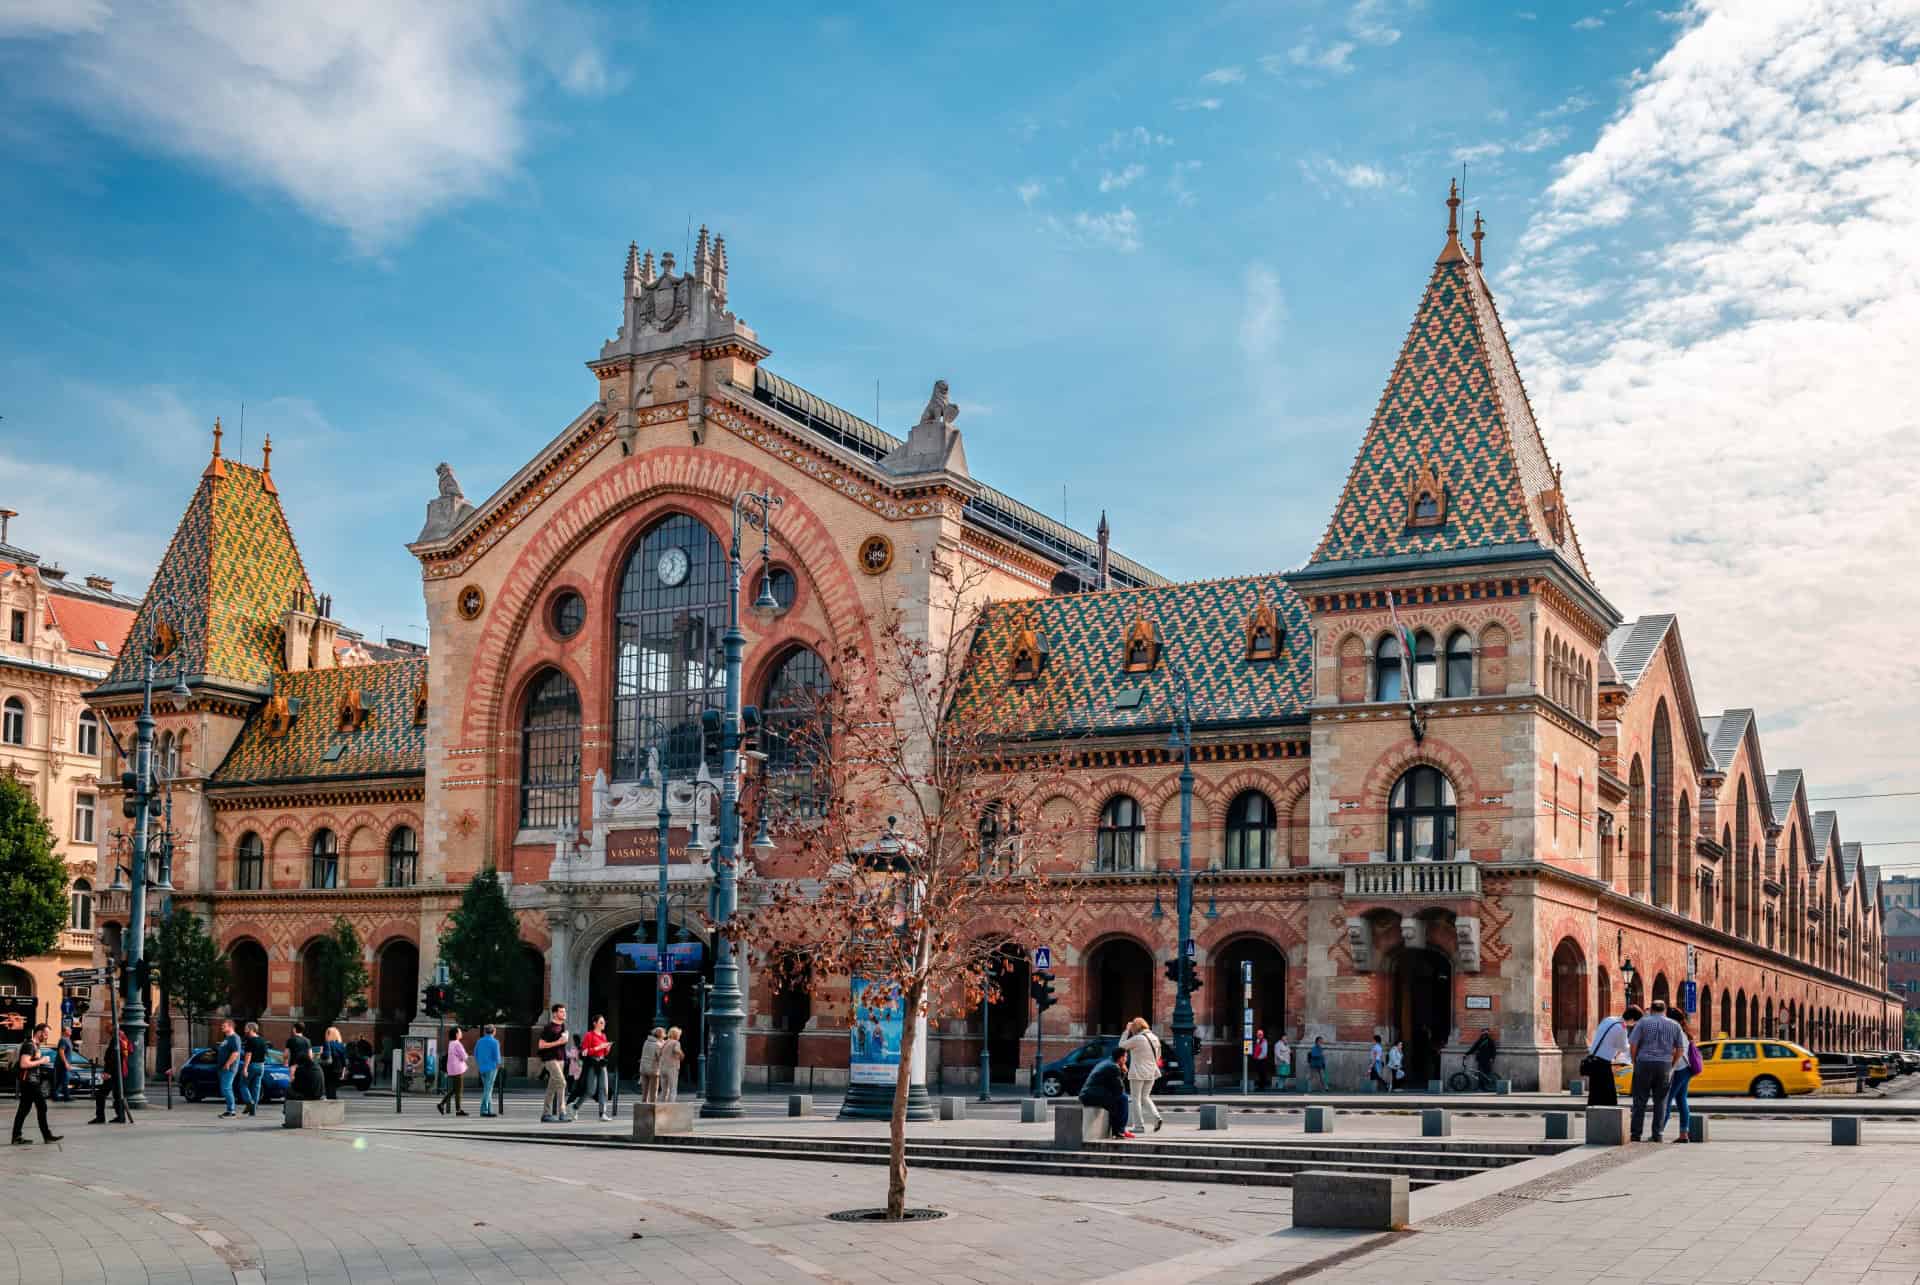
433	1000
1172	970
1041	989
143	974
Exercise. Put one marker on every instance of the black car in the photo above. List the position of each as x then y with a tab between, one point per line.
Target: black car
1064	1076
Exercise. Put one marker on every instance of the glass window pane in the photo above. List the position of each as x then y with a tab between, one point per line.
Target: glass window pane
668	663
1423	838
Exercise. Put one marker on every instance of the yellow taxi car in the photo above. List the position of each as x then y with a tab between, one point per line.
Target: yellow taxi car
1761	1068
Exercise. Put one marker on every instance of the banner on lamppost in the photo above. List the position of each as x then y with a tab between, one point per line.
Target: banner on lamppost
878	1025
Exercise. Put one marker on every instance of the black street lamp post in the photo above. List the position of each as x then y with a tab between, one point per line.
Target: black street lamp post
1183	1023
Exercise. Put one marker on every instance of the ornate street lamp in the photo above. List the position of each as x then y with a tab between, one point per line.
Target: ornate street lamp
1626	978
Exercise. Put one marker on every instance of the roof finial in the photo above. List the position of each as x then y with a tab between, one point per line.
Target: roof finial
216	437
1451	251
266	467
1479	235
633	264
216	467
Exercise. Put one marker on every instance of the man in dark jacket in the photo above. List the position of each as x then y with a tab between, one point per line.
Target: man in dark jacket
1106	1086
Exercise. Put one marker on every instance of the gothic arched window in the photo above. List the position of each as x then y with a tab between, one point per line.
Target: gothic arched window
1122	834
1250	827
251	865
1421	817
1387	684
1425	668
550	754
668	659
323	870
403	856
1460	663
790	713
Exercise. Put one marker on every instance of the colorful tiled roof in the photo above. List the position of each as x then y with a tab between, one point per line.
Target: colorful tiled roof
1085	686
388	742
234	569
1455	402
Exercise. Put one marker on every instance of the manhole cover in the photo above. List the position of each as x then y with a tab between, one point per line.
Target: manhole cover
880	1215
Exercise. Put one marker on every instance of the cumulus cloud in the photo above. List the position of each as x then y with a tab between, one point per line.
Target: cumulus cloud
1589	23
1139	138
1327	173
1263	311
1335	58
1716	308
1031	190
1177	183
1121	179
1367	21
1224	76
370	115
1110	230
51	17
1196	104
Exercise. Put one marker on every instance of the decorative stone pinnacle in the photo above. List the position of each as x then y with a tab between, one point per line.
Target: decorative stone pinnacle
633	261
266	466
216	467
216	437
1453	207
646	269
1479	235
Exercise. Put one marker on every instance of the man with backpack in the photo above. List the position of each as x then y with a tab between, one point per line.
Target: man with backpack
32	1068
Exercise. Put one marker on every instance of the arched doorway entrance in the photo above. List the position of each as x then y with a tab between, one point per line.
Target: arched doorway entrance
791	1009
1422	1010
1120	986
626	999
247	995
1007	1012
1569	995
399	992
1662	994
1269	1000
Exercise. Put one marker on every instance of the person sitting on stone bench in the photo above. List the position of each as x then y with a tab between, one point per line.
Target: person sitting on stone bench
1106	1087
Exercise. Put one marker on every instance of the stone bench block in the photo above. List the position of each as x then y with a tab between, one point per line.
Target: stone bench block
1354	1201
1034	1110
313	1115
1436	1123
1213	1117
953	1108
1436	1086
1559	1126
1319	1120
1606	1126
655	1120
1576	1088
1846	1131
1503	1087
800	1104
1075	1125
1697	1131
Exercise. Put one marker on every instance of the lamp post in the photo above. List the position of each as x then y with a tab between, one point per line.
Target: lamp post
141	802
1183	1024
1626	980
727	1015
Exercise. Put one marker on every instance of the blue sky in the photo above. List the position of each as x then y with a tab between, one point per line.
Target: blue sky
1164	260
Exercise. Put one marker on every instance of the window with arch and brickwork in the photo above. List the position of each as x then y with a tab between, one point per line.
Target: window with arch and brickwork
323	867
1388	677
788	706
1121	836
87	739
80	906
1421	816
1251	826
669	666
550	753
1459	680
13	721
250	863
403	857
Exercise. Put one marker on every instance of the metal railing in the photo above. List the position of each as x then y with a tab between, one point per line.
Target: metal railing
1413	879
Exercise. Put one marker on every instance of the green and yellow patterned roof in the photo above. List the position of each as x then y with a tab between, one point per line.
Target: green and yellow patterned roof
1455	402
1085	687
388	742
233	569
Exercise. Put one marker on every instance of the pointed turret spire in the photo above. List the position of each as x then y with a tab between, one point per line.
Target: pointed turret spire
646	269
1105	535
703	257
1452	252
633	265
216	467
266	467
1479	235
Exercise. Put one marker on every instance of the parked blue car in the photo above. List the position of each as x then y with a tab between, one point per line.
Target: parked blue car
199	1078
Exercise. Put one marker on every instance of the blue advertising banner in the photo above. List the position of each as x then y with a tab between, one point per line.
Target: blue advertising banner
1690	996
878	1024
644	957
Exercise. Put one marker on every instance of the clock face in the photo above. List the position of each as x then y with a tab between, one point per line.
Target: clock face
672	567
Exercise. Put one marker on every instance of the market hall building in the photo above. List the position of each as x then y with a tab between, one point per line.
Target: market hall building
1490	849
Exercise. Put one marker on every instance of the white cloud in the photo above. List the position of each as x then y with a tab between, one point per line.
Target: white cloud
1112	230
1224	76
1479	153
51	17
1122	179
1196	104
1335	58
1324	172
1137	138
371	115
1540	139
1567	106
1031	190
1364	20
1589	23
1177	183
1263	311
1526	15
1717	311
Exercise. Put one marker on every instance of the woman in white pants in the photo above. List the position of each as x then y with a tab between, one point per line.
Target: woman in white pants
1142	1048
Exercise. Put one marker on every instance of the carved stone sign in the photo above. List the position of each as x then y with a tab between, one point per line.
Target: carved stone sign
1467	943
642	847
1360	945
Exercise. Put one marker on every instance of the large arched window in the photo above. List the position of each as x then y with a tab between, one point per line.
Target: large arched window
80	902
668	662
1122	834
789	709
88	740
1387	685
1460	663
1250	827
550	754
13	721
403	857
251	866
324	869
166	758
1420	817
1425	667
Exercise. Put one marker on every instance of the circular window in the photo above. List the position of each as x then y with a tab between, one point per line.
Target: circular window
784	587
569	613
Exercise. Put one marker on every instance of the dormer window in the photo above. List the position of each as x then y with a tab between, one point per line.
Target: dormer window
1141	652
353	711
1263	633
1426	497
280	713
1028	658
1426	507
420	703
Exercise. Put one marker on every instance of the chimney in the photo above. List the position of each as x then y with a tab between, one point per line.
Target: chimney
325	633
6	516
101	583
296	627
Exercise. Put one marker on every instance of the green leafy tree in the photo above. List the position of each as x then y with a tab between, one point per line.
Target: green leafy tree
338	974
1913	1029
481	948
198	974
33	881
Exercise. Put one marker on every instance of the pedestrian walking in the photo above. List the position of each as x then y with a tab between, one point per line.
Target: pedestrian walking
1282	1060
1317	1066
306	1082
1106	1089
1142	1048
333	1062
650	1064
1377	1065
1608	1046
1260	1065
63	1065
113	1076
1656	1044
1684	1070
671	1055
456	1074
254	1059
486	1060
227	1057
594	1049
1396	1065
32	1073
551	1049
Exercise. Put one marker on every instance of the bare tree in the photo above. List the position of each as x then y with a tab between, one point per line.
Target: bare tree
914	846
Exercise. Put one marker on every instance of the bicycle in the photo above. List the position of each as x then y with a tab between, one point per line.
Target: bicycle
1470	1079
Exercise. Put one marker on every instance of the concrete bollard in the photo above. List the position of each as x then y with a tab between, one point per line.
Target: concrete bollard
1435	1087
1606	1126
1319	1120
1576	1088
953	1108
1075	1125
1846	1131
1503	1087
1034	1111
1559	1126
1213	1118
322	1114
1436	1123
655	1120
1697	1131
1353	1201
800	1104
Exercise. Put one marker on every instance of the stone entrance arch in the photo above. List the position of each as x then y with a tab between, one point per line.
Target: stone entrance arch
1420	1010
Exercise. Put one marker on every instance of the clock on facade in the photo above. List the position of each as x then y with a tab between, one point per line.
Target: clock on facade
672	567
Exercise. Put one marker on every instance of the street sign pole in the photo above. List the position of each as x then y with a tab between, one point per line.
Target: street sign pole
1246	1020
